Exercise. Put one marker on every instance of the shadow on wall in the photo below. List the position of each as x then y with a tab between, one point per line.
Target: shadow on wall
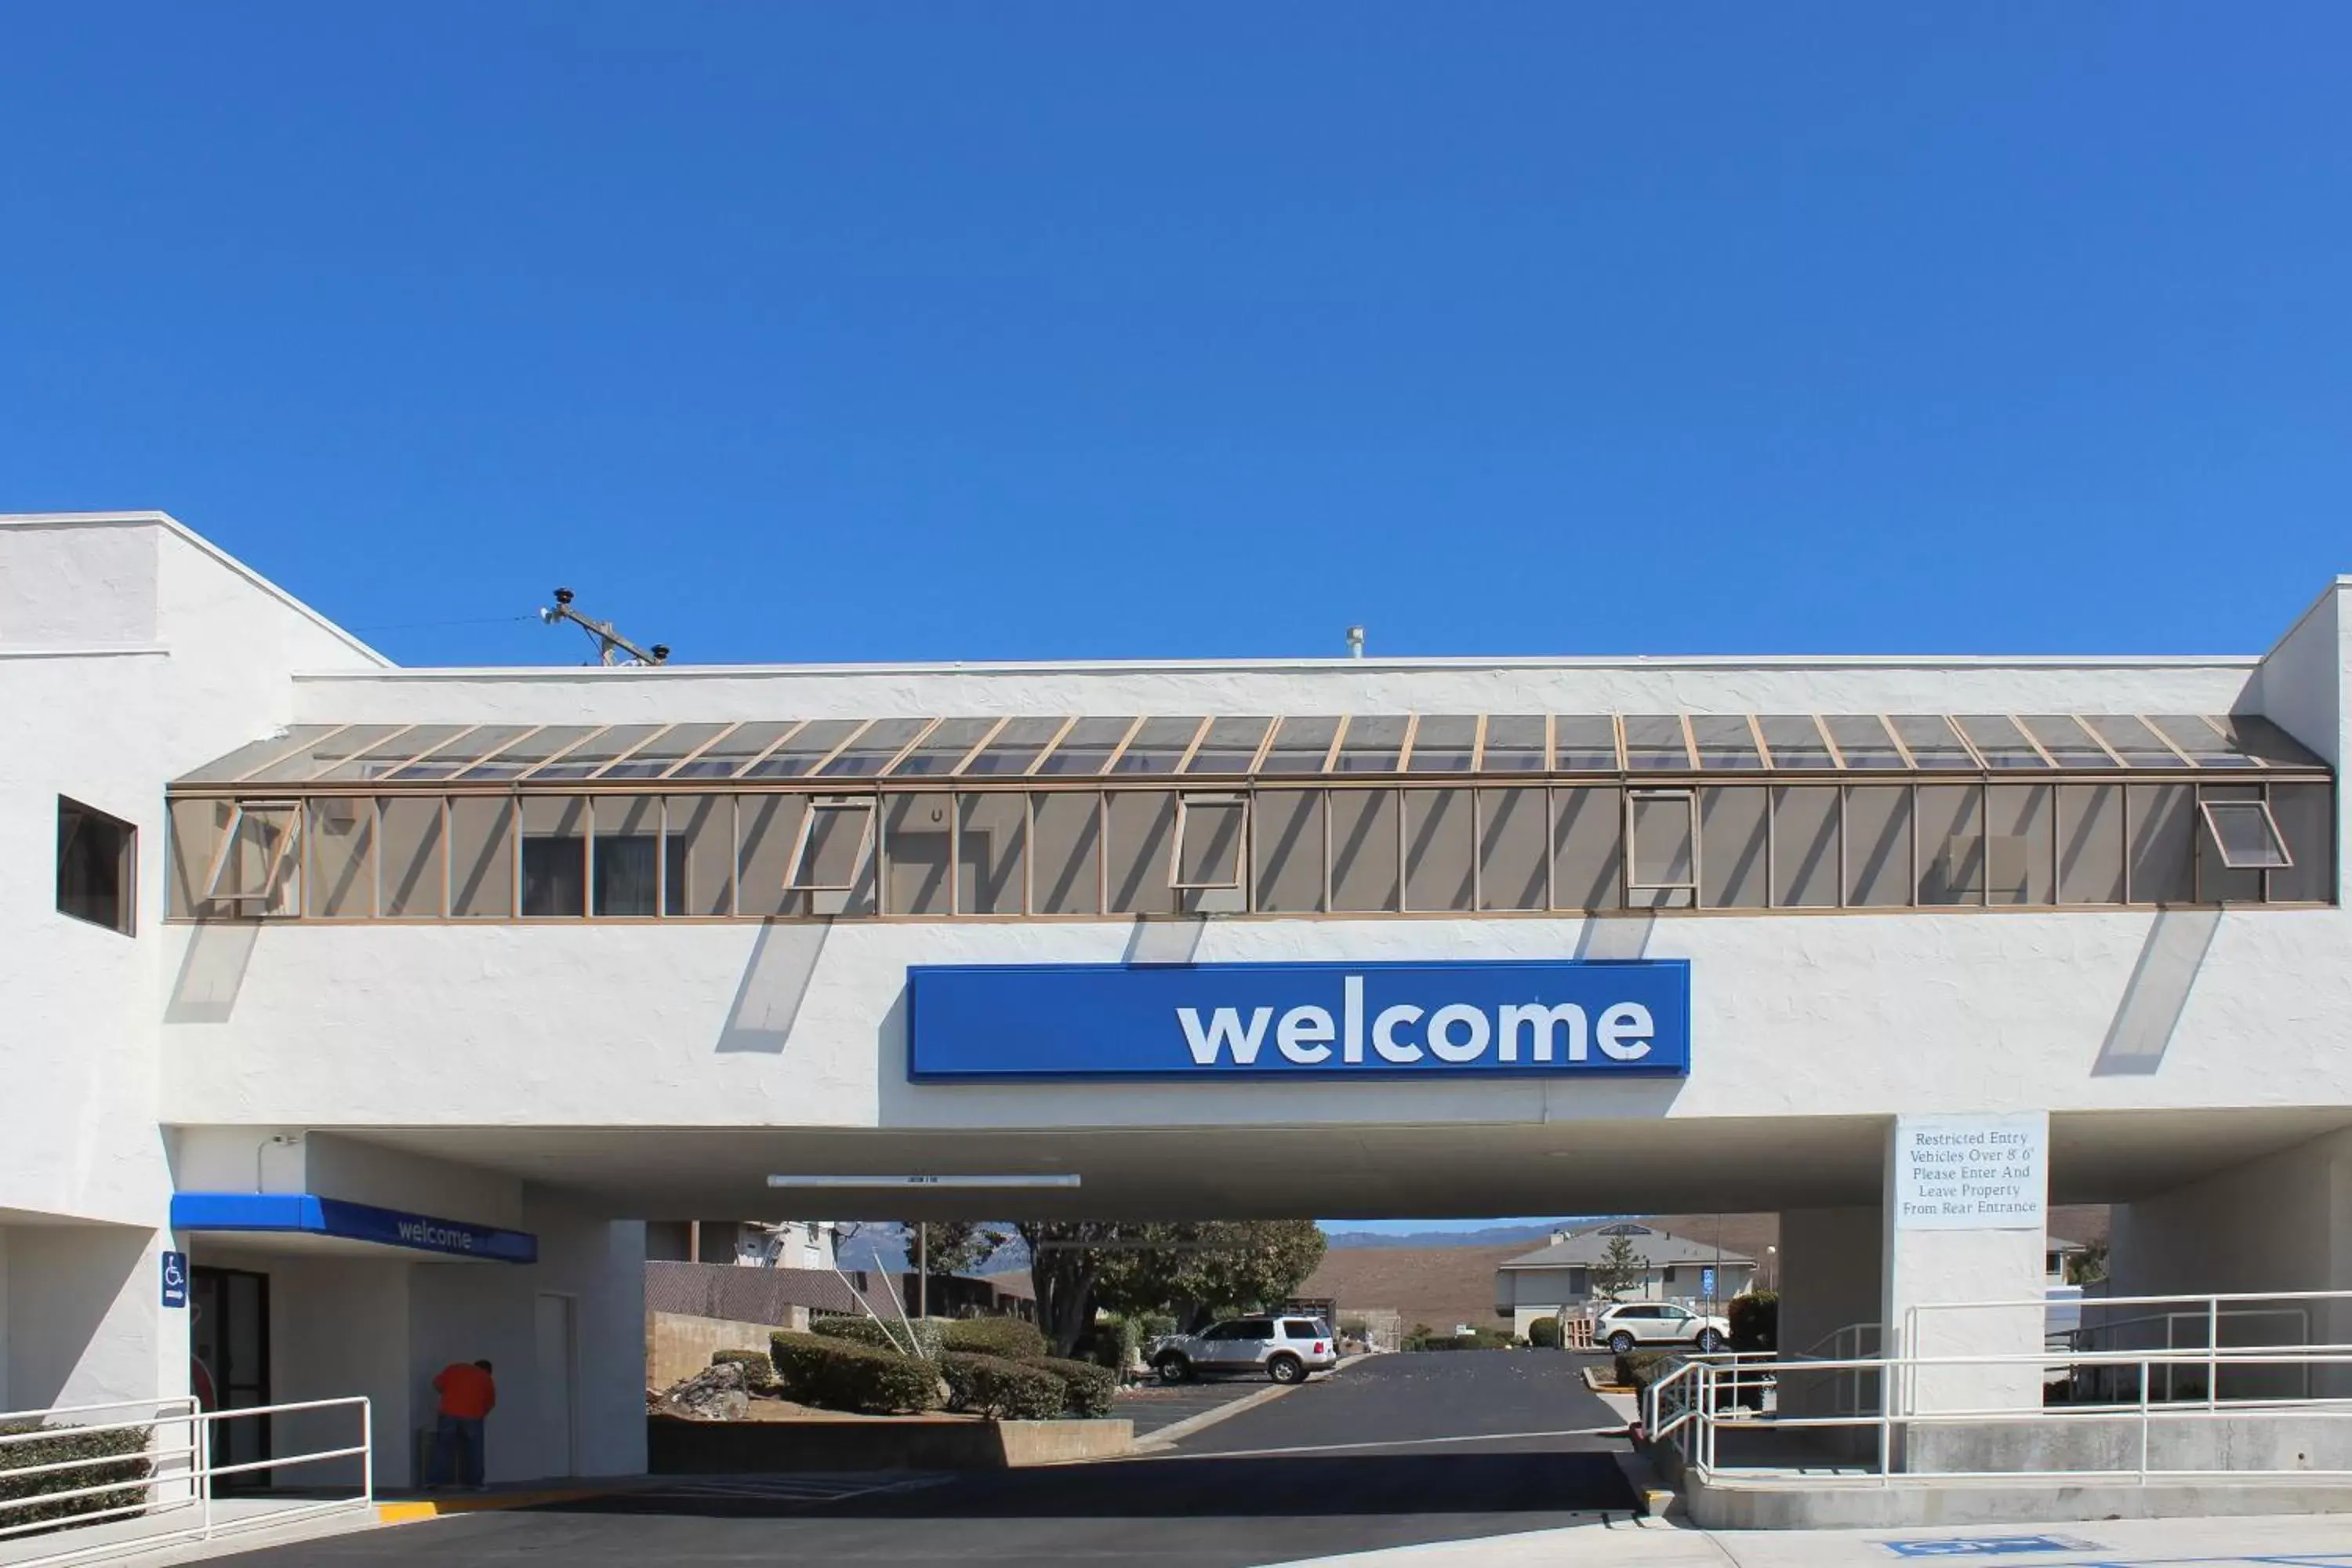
2157	992
65	1281
212	973
768	999
1615	938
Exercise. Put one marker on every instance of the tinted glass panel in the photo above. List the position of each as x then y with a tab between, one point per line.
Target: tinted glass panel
1724	744
1931	741
992	854
873	749
665	752
2021	832
1160	746
805	749
1584	744
2160	825
2306	816
1654	743
1440	849
727	755
2000	741
1230	747
1805	848
1067	837
521	756
2132	741
948	744
2067	741
1515	744
1445	743
1371	745
1862	742
1290	850
1513	848
1878	845
1952	844
918	837
1014	748
591	756
2091	844
1085	751
481	857
1364	849
1795	740
1732	837
1588	849
1300	746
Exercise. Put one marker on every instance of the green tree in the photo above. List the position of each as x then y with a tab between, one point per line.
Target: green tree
2089	1266
953	1246
1621	1268
1189	1268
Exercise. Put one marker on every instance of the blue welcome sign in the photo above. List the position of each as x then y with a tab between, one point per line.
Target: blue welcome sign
1225	1020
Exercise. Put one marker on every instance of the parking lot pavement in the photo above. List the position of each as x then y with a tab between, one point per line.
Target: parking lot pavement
1494	1401
1154	1408
1395	1451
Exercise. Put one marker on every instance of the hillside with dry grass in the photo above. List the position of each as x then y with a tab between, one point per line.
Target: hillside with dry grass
1442	1286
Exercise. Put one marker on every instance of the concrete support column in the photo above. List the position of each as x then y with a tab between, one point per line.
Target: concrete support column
1952	1237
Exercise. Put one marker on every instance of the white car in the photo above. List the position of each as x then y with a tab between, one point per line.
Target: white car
1284	1347
1631	1324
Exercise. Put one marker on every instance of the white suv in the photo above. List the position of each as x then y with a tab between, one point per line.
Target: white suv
1631	1323
1285	1348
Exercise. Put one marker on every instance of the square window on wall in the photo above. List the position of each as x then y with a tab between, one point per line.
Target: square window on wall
98	867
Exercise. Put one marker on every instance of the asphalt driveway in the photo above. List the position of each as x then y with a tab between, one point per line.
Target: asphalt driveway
1391	1451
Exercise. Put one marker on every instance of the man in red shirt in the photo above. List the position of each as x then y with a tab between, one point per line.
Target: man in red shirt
468	1394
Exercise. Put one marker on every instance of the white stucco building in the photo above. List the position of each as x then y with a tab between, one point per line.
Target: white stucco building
401	1000
1567	1275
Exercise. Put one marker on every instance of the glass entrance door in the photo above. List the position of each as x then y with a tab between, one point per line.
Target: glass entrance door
229	1338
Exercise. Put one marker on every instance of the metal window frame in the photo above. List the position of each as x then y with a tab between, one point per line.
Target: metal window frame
865	803
2261	805
1688	795
1185	801
289	845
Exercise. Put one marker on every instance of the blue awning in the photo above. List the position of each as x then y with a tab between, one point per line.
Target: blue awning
308	1214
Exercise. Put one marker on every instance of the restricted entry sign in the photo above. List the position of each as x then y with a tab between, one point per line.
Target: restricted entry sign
175	1279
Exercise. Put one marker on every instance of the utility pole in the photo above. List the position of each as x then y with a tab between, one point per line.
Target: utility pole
922	1269
612	648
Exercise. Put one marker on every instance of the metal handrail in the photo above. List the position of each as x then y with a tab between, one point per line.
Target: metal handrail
1696	1384
198	1478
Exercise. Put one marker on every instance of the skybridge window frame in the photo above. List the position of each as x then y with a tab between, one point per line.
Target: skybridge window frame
2271	854
285	853
1189	806
805	837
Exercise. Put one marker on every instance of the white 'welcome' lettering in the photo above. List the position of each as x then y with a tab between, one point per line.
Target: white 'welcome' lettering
1224	1032
1456	1033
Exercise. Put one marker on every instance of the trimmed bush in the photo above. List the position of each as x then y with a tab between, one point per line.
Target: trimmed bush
1008	1338
835	1375
131	1471
1115	1343
1005	1390
1475	1340
1544	1333
1086	1388
1639	1369
874	1335
1755	1320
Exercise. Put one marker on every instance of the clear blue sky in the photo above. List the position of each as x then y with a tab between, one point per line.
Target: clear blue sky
809	332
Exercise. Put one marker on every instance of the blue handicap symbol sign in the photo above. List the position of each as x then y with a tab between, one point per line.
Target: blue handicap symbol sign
175	1279
1986	1546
